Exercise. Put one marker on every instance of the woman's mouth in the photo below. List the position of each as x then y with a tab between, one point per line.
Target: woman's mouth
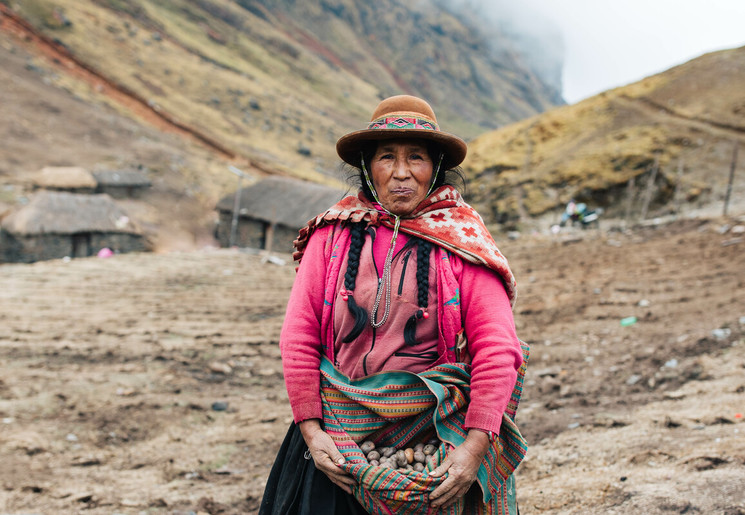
402	192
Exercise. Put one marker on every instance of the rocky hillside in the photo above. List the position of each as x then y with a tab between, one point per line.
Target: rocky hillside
277	82
678	128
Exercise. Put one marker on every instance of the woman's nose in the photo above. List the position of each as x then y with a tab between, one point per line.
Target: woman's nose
400	169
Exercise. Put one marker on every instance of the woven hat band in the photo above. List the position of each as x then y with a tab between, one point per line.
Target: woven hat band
399	122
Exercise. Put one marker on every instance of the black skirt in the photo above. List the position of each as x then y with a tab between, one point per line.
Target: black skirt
297	487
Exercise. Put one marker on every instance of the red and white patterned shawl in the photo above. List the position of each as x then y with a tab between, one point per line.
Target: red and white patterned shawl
443	218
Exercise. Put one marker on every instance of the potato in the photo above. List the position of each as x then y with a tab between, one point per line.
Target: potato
401	458
409	453
409	459
419	456
367	446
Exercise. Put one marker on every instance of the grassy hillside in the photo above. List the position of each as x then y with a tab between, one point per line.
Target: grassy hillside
278	82
687	120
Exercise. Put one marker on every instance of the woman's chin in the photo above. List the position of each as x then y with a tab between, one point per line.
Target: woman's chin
402	205
401	208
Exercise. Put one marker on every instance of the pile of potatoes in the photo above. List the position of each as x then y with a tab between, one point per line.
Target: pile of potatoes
404	460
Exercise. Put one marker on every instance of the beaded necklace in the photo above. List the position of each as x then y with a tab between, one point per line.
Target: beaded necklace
385	281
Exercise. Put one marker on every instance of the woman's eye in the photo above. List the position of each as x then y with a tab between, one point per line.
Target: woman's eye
416	156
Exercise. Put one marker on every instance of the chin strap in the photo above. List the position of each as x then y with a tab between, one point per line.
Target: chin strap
384	283
434	176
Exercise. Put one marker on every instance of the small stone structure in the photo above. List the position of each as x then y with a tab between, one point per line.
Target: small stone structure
58	224
121	183
73	179
272	211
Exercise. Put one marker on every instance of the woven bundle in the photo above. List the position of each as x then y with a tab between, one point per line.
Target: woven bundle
398	409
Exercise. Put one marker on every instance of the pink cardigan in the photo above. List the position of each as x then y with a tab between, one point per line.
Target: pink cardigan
469	295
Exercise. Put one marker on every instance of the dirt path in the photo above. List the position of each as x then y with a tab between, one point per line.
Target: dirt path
111	370
657	111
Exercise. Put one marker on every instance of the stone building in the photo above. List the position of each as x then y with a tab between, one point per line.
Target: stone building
58	224
121	183
72	179
271	212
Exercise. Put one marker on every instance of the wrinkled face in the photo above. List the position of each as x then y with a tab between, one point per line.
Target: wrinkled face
401	173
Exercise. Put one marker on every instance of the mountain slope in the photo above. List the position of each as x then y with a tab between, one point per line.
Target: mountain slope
688	118
277	82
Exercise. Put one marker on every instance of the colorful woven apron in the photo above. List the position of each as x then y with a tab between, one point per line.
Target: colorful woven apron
403	408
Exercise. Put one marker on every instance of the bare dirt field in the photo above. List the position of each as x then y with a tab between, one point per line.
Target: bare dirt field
151	383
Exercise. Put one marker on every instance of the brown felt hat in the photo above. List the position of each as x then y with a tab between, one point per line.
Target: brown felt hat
402	116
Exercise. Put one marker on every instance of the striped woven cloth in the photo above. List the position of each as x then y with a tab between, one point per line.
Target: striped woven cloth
400	409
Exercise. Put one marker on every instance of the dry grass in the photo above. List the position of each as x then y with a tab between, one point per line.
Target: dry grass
592	149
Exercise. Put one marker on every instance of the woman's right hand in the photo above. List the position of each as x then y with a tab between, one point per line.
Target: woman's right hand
325	454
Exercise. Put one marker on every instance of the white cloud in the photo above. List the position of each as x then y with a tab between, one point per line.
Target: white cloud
609	44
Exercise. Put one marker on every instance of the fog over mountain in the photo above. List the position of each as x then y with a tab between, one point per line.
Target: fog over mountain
537	38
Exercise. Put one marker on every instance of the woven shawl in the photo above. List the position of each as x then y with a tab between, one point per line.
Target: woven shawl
443	218
400	409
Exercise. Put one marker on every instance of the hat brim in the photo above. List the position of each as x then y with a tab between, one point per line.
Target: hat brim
349	146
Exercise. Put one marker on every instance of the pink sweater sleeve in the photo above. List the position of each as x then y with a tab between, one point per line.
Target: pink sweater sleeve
493	344
300	339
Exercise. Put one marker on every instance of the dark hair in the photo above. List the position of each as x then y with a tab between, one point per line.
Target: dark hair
350	279
453	177
422	282
357	239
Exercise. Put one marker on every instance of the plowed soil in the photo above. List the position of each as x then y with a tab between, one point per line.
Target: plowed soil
151	383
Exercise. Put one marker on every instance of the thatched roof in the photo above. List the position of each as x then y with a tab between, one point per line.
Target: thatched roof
124	178
284	201
64	177
68	213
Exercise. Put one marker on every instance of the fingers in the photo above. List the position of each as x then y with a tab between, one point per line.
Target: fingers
334	455
327	457
447	503
441	468
337	475
449	492
459	479
344	482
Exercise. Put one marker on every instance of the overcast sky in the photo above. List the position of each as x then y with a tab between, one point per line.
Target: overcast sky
613	43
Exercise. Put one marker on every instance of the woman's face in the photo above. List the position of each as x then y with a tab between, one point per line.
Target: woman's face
401	173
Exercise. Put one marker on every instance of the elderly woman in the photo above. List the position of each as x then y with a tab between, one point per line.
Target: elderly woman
395	283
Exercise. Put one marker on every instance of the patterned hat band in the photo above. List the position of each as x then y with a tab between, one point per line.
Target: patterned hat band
399	122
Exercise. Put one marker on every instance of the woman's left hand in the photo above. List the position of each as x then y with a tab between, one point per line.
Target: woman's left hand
461	465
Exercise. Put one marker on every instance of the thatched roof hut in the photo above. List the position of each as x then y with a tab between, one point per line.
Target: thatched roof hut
56	224
121	183
272	211
68	213
65	178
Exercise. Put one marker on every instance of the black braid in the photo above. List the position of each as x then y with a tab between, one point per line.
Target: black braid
422	282
422	272
350	278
